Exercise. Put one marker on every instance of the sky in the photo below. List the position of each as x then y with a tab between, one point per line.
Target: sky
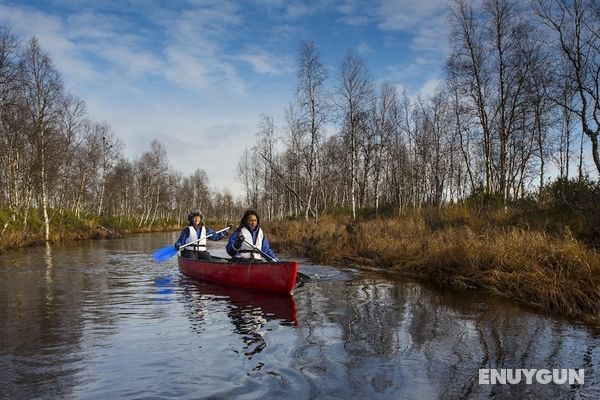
197	74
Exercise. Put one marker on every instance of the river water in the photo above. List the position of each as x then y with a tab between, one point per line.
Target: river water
100	320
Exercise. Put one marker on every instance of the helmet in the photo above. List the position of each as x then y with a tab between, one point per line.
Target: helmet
195	213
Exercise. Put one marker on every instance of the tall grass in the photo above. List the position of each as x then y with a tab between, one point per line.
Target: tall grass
456	248
68	226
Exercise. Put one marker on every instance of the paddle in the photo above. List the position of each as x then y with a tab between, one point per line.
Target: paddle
261	252
167	252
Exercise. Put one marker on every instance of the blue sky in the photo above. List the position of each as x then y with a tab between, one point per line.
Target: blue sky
197	74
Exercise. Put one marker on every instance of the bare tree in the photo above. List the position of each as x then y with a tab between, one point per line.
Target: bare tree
313	102
385	125
152	169
199	190
576	25
566	124
467	64
12	146
120	182
266	141
42	89
355	93
292	159
71	127
495	59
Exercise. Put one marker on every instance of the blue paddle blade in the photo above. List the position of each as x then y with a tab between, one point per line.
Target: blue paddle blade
164	253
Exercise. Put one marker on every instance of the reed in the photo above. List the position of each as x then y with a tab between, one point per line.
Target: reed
455	248
68	226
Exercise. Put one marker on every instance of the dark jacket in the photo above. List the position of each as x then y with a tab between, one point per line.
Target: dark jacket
185	233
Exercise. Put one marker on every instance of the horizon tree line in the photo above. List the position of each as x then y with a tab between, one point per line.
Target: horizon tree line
57	163
521	96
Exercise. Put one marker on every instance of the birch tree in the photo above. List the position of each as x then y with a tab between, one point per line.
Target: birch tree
355	95
576	28
313	103
42	88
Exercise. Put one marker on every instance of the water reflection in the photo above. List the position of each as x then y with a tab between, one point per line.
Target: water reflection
98	320
40	338
248	310
401	340
48	262
164	288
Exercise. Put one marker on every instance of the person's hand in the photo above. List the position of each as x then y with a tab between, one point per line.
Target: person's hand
230	225
238	241
177	246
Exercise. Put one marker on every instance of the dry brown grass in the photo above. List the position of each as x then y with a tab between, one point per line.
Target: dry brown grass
454	249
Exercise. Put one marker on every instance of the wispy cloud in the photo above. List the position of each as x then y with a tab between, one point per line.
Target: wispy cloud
429	88
196	45
264	62
364	49
297	9
411	69
185	72
419	76
408	14
425	19
355	12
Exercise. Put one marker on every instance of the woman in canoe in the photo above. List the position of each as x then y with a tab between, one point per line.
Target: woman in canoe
194	231
249	231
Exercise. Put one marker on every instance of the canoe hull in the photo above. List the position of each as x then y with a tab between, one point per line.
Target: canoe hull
276	277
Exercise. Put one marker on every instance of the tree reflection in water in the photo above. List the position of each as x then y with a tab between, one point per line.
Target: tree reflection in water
98	320
248	310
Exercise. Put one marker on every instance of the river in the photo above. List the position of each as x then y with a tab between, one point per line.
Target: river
100	320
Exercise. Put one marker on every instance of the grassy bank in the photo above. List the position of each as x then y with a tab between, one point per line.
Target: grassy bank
455	247
71	227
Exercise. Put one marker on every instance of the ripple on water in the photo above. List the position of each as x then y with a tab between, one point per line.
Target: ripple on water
101	320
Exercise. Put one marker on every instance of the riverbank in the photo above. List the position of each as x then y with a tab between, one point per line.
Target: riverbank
451	248
70	227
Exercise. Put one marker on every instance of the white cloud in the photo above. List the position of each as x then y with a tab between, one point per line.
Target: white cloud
130	60
264	62
364	49
408	14
411	69
301	8
429	88
195	55
425	19
184	69
432	38
355	12
49	30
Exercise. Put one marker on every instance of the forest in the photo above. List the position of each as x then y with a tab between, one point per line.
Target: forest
513	127
515	119
64	175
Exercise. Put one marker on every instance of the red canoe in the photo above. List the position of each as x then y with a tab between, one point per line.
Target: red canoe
278	277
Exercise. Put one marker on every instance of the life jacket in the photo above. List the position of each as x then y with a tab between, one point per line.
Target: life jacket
193	236
246	251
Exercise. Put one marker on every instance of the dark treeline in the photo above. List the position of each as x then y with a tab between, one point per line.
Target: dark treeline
519	106
57	165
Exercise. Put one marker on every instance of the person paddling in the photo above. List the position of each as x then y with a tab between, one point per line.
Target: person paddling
194	231
250	231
